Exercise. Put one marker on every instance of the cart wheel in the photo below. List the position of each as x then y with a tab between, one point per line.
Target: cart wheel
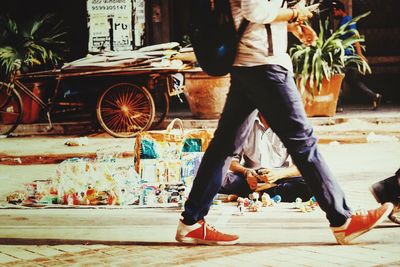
161	101
10	109
125	109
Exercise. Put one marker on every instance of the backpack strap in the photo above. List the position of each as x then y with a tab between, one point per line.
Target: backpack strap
269	36
242	28
243	25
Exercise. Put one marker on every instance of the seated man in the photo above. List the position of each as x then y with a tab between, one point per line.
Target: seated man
264	165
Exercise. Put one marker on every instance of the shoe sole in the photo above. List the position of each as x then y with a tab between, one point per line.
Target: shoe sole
197	241
394	219
351	237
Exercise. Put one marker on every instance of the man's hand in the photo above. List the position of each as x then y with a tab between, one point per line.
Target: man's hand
251	178
303	32
275	175
304	13
309	35
271	175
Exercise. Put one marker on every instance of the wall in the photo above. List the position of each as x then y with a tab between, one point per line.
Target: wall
382	41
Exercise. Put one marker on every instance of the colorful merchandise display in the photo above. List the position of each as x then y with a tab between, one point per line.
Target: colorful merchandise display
112	181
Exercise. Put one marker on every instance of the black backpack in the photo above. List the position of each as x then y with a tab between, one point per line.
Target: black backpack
213	35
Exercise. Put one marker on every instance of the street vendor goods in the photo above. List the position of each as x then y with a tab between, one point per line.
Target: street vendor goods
112	181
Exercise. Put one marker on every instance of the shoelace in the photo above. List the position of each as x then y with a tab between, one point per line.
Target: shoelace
361	212
205	226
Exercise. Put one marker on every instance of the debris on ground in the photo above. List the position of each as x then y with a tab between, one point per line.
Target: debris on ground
80	141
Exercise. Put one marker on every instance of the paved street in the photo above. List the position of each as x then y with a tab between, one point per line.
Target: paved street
275	236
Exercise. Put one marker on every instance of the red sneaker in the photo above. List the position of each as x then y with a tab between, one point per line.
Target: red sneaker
359	224
203	233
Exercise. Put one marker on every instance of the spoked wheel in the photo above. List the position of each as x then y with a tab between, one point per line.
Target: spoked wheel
10	109
125	109
161	102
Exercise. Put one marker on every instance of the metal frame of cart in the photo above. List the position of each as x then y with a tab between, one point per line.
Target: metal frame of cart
123	109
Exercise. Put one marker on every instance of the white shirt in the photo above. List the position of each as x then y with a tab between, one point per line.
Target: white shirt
263	148
253	46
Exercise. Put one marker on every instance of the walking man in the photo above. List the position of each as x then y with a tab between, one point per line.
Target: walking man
262	79
352	76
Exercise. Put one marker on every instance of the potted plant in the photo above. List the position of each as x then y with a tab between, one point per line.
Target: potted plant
26	47
35	45
319	68
206	95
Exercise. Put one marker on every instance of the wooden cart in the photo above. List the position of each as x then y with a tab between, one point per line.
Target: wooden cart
123	109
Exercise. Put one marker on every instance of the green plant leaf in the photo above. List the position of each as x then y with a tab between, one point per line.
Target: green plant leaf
328	56
37	43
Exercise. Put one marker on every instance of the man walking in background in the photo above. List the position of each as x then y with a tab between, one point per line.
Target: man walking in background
352	75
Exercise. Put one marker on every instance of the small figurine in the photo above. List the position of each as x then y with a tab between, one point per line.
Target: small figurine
266	200
303	208
306	206
253	207
91	195
246	202
70	200
240	206
254	196
277	198
81	198
16	197
298	203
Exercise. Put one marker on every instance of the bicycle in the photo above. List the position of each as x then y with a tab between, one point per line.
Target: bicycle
123	109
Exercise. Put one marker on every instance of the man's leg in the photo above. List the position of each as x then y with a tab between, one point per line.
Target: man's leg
291	188
235	184
277	98
217	158
353	79
228	138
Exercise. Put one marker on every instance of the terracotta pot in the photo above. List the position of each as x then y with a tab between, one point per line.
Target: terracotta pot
324	102
32	110
206	95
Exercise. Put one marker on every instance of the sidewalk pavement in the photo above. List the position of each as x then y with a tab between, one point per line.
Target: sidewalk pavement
356	125
386	114
275	236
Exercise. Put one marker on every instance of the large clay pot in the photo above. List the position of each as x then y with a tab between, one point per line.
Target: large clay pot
32	110
323	103
206	95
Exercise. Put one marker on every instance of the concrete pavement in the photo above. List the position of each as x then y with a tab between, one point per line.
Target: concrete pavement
385	114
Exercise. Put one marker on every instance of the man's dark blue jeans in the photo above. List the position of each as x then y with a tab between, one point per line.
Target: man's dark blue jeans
270	89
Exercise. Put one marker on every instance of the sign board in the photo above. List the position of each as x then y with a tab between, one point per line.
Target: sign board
110	25
139	21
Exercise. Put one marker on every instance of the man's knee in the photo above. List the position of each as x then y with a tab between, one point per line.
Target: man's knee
301	142
234	184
